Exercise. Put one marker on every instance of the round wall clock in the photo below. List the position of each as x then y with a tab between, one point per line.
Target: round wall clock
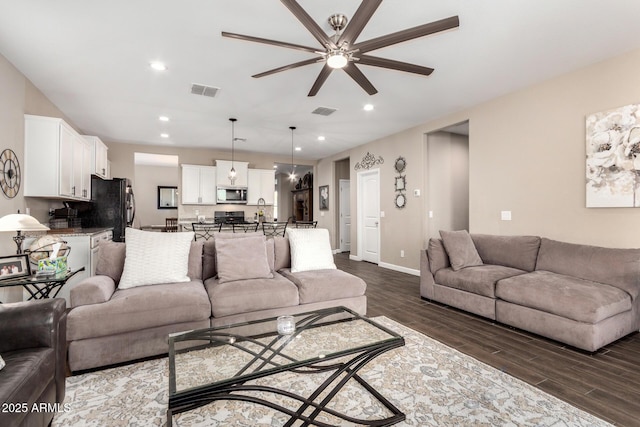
9	173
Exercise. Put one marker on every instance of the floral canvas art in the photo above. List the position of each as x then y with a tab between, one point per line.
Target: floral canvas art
613	158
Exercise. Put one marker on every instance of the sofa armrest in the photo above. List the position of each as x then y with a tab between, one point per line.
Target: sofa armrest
30	324
427	281
92	290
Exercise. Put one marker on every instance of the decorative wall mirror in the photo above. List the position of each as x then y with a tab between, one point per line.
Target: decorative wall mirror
400	201
400	164
167	197
400	183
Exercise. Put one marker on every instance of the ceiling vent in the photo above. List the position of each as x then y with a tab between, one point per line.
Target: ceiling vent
198	89
324	111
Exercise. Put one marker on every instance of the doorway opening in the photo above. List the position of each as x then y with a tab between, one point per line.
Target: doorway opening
447	179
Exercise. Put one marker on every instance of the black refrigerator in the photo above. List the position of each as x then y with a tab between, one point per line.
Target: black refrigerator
112	205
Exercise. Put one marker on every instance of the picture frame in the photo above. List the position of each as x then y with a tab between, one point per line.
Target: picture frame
14	267
167	197
401	183
323	192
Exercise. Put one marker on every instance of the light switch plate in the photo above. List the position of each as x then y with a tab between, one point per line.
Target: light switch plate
505	215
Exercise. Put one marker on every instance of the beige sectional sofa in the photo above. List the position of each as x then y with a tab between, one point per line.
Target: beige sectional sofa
108	325
584	296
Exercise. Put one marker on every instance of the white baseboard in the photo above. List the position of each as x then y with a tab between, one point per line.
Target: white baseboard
355	258
400	268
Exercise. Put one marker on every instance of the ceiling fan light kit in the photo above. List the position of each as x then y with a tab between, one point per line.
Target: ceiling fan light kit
341	50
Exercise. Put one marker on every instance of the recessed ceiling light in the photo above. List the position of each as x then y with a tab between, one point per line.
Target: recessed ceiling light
163	118
298	148
368	107
321	138
158	66
164	135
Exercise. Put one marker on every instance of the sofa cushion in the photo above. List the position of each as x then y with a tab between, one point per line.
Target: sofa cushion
325	285
242	259
110	259
153	258
617	267
460	249
437	255
310	249
242	296
282	253
140	308
479	280
565	296
519	252
92	290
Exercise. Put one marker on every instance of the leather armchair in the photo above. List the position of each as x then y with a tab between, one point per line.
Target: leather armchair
33	344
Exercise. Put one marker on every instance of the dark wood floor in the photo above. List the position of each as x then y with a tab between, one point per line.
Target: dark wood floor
606	383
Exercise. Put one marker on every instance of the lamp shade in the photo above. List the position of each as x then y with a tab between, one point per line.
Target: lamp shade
20	222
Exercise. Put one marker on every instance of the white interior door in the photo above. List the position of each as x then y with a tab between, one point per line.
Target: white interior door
369	195
345	215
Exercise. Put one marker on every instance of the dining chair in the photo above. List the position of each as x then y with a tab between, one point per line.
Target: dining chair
271	229
204	231
171	225
246	228
305	224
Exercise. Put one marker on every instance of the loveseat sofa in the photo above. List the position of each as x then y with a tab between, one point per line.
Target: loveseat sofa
32	343
584	296
109	325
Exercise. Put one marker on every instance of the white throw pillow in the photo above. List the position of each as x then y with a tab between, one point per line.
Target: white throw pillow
310	249
2	364
154	258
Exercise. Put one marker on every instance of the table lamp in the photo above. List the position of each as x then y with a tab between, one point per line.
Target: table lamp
19	223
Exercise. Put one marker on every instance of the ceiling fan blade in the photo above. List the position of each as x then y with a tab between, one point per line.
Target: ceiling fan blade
408	34
288	67
309	23
394	65
360	78
271	42
322	77
365	11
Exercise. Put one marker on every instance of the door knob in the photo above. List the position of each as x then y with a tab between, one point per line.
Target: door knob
376	223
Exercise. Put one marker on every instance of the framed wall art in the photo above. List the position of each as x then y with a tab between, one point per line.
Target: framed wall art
324	197
613	158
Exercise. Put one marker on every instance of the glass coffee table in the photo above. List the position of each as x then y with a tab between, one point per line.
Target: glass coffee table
224	363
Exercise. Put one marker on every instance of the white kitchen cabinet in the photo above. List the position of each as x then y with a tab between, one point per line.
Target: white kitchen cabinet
198	185
224	166
261	184
99	157
57	160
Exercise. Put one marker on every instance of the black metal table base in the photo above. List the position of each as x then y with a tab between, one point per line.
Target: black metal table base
343	372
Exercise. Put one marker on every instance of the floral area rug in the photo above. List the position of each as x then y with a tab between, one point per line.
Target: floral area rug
434	385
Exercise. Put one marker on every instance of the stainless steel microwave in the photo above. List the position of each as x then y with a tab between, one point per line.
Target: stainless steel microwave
236	195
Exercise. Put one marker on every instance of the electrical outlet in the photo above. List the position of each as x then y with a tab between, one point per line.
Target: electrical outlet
402	253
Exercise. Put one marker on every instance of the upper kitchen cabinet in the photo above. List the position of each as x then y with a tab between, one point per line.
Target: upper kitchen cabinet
198	185
57	160
99	160
262	183
224	166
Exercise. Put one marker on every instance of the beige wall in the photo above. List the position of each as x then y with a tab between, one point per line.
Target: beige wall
147	179
526	155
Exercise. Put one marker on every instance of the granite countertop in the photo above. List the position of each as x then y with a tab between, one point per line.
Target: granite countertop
79	231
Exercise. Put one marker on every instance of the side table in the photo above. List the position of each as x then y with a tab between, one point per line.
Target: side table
42	287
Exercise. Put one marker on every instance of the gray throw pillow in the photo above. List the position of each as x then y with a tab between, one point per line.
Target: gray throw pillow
111	259
242	259
460	248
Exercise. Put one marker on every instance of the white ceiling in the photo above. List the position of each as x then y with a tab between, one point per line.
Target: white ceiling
91	59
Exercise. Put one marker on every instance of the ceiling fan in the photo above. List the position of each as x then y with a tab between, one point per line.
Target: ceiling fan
341	51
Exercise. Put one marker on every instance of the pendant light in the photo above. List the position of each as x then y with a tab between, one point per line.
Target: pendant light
232	172
292	175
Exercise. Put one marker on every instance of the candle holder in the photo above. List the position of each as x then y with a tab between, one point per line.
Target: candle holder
286	325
